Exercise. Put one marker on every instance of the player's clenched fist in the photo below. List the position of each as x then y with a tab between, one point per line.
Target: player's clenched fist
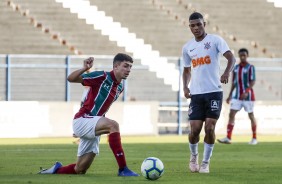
224	78
88	63
187	93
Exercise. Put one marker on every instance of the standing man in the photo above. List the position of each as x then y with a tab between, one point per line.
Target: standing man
244	77
202	74
90	121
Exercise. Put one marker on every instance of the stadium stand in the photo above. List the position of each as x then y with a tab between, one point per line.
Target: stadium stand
31	28
47	18
19	36
177	11
276	3
247	22
159	30
43	78
69	27
169	15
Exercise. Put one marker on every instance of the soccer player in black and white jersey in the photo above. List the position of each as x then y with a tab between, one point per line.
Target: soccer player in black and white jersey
203	84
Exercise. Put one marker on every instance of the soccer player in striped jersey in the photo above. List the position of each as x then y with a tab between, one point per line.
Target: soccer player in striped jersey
202	83
244	78
90	121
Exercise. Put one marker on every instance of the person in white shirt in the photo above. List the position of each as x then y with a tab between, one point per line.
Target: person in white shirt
203	84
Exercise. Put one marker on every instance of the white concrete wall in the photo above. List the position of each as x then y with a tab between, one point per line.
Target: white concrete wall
267	114
54	119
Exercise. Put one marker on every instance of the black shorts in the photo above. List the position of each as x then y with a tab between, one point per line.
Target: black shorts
204	106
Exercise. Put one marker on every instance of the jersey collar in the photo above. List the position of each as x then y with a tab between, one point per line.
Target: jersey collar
244	64
113	77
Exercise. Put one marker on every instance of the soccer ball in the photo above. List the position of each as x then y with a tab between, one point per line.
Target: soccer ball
152	168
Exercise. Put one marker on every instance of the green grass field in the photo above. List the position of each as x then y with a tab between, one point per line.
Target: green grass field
20	160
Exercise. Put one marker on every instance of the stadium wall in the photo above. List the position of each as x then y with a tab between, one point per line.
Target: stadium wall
268	116
28	119
54	119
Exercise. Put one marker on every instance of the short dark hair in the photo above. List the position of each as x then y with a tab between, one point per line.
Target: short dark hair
122	57
243	50
196	15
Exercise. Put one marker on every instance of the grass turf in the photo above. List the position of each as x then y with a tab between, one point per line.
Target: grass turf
20	160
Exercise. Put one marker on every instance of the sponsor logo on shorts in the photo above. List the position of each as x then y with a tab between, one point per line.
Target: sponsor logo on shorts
190	111
214	105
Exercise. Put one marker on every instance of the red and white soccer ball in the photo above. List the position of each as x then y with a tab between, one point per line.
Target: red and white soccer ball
152	168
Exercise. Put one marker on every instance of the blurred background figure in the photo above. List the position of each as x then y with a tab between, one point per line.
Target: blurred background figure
242	95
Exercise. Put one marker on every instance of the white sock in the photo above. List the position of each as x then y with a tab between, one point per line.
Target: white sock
207	152
193	148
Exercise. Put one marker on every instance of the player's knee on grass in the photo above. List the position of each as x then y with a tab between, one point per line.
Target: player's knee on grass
80	170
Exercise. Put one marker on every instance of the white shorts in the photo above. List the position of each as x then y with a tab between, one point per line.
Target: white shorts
84	128
238	104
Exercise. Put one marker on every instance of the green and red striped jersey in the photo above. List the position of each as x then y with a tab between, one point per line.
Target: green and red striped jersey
242	76
103	90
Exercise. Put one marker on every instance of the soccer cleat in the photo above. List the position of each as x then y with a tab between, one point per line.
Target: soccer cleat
126	172
253	141
194	165
205	168
52	170
224	140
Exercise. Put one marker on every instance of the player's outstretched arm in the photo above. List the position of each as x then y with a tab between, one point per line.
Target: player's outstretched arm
75	76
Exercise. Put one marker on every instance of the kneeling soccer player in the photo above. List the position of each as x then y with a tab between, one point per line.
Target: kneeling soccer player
90	121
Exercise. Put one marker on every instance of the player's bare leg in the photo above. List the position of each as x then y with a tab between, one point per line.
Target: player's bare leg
194	137
254	129
208	144
209	130
84	162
